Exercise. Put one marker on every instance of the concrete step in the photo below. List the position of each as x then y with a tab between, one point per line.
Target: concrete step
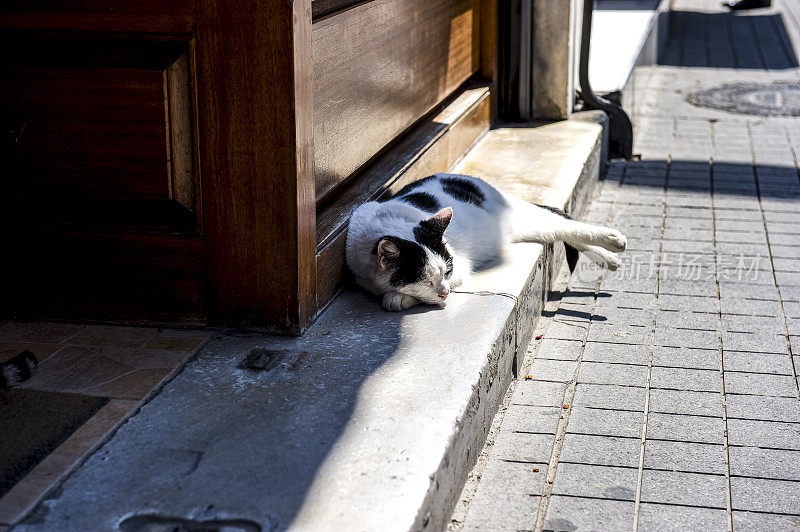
625	34
371	421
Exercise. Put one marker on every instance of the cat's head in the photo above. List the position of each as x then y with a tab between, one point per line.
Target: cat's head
421	267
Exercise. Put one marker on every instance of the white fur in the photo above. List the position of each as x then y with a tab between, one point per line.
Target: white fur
475	236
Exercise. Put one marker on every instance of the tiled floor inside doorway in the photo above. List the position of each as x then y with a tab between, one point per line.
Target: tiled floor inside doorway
104	370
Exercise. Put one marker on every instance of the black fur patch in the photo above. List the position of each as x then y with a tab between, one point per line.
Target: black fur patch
409	267
463	190
411	186
422	201
430	233
572	256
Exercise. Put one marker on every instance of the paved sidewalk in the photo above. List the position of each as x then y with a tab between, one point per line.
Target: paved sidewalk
665	396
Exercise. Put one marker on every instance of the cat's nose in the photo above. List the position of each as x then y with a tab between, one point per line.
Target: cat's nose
443	293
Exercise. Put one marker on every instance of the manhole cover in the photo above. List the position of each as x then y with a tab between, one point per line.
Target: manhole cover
781	98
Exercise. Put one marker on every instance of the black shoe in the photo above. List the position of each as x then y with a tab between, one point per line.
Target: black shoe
746	4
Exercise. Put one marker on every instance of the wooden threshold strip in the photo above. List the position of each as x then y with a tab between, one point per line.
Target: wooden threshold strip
433	146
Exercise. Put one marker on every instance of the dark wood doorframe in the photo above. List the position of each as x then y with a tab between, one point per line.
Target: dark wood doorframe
255	100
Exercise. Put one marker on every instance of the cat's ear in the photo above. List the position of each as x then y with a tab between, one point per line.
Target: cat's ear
445	215
439	221
387	252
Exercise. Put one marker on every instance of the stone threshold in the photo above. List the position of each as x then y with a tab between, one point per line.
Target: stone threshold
371	420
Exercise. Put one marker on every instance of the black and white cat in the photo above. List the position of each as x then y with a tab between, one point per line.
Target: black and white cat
427	239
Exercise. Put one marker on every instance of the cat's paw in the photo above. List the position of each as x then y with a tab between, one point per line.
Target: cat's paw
615	240
602	257
612	261
396	302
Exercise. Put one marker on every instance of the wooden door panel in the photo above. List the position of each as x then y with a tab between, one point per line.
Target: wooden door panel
379	67
165	16
103	277
96	120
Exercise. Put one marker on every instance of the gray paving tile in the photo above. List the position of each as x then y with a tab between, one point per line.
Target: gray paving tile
771	434
676	319
703	339
689	303
600	450
790	293
765	521
787	280
688	223
603	373
624	281
559	349
787	265
738	289
738	249
765	342
688	288
605	422
538	393
582	514
523	447
687	246
596	481
567	331
619	334
610	396
696	380
683	456
688	212
757	362
686	402
535	419
671	487
661	517
754	324
776	239
740	225
553	370
677	233
735	305
685	428
739	236
764	408
765	463
678	357
793	325
518	507
620	353
624	300
760	384
760	495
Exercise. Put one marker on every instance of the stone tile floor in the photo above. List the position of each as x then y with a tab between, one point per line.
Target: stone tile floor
664	396
123	364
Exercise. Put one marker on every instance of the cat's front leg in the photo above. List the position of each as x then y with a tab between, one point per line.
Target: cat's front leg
395	301
461	270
